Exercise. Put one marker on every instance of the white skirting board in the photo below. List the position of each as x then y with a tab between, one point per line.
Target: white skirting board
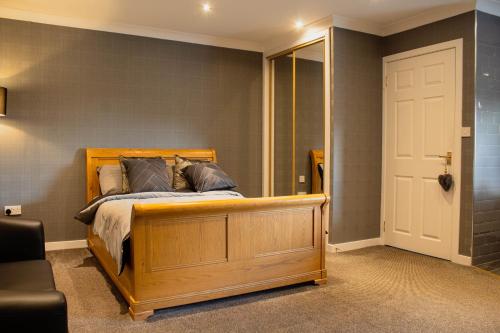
342	247
350	246
66	245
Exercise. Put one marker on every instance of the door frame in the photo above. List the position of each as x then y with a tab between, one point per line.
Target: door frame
456	44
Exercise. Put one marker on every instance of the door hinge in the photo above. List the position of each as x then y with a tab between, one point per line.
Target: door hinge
386	81
384	225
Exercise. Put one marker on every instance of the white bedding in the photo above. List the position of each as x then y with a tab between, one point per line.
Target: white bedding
112	219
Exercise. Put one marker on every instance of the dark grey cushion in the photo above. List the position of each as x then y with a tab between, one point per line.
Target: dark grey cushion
205	177
147	174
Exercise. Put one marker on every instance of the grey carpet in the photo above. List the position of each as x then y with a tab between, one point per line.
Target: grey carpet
378	289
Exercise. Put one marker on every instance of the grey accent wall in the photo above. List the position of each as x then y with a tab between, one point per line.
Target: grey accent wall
487	158
357	137
71	88
461	26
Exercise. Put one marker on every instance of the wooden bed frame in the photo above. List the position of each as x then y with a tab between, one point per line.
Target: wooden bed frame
317	158
183	253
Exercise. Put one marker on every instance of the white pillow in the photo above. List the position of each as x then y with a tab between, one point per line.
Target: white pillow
110	179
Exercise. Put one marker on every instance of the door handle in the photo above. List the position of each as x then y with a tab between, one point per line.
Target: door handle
447	157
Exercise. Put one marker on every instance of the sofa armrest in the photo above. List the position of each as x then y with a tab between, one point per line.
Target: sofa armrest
33	311
21	240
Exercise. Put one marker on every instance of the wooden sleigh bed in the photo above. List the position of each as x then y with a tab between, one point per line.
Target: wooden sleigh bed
183	253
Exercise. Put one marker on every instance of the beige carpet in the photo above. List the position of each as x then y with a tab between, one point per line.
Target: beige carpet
378	289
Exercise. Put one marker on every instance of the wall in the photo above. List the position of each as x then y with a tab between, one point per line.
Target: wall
357	137
461	26
487	158
71	88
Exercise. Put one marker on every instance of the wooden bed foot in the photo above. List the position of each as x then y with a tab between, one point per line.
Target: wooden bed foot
140	315
320	281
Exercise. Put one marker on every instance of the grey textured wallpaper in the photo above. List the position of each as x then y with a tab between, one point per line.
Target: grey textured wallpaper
72	88
461	26
357	137
487	158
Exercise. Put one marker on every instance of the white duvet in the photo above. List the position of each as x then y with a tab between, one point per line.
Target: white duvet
113	217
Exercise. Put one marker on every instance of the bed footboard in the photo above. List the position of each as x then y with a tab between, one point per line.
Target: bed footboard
189	252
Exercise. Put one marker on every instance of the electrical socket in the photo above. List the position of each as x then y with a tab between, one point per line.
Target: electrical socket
12	210
302	179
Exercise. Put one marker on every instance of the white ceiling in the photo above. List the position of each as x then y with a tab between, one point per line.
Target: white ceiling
252	21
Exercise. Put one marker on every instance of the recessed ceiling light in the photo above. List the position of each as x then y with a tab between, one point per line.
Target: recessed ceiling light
206	7
299	24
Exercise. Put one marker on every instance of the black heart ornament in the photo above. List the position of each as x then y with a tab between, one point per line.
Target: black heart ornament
446	181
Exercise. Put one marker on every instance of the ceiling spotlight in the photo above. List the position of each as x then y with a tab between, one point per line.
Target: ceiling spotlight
299	24
206	7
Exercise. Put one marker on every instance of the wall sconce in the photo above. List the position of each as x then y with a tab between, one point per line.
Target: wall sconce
3	102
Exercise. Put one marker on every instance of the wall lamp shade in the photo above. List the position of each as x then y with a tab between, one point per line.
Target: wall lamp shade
3	102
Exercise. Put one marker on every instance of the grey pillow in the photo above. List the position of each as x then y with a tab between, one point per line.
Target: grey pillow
147	174
110	179
205	177
180	182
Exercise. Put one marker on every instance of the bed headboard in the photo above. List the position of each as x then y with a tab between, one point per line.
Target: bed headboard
317	158
102	156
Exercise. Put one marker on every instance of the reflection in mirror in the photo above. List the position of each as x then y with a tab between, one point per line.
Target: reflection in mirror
283	124
298	118
309	114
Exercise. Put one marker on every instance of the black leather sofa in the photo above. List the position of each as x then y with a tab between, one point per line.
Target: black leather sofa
29	301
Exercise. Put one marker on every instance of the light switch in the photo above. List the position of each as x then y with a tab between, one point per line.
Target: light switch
465	132
302	179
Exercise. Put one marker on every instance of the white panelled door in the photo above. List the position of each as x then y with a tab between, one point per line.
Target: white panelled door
419	127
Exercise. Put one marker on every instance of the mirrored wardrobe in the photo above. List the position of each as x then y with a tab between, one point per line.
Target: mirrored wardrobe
297	120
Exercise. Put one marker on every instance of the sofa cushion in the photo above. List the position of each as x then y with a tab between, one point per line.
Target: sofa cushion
29	275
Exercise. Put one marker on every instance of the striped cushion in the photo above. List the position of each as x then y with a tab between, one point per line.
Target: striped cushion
147	174
205	177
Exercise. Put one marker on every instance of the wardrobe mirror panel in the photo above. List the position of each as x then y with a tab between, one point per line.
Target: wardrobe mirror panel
298	121
309	114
